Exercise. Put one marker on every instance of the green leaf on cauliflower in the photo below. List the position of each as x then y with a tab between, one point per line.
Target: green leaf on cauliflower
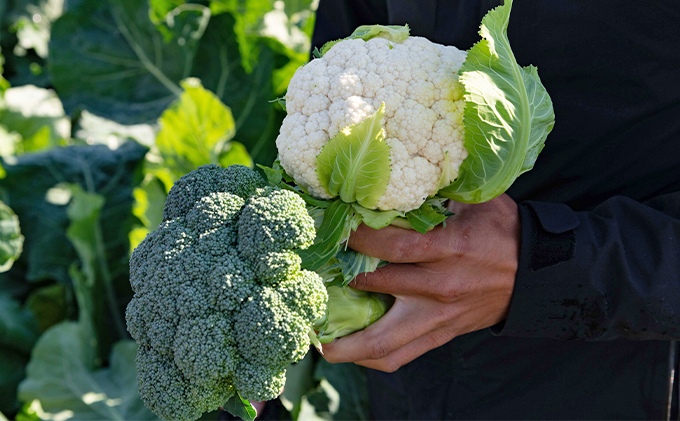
329	236
394	33
377	219
355	164
508	115
425	217
352	264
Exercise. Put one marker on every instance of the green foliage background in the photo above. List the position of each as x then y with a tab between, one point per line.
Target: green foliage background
104	104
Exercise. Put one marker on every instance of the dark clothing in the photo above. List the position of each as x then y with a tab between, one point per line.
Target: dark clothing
597	294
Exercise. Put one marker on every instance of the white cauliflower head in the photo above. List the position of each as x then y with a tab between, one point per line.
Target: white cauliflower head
418	82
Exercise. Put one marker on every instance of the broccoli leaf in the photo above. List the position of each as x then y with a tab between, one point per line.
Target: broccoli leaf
355	164
18	327
508	115
50	305
18	333
351	384
241	408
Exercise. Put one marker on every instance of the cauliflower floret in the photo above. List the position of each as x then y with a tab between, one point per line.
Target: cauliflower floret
418	82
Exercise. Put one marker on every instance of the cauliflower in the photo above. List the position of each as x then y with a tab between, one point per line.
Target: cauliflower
383	128
416	79
221	306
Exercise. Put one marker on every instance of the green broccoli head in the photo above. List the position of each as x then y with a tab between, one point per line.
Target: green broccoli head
221	305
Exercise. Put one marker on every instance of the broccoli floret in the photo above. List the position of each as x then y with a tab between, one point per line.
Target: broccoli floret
236	179
221	305
169	394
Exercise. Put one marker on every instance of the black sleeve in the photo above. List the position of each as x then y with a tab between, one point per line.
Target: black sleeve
337	19
610	273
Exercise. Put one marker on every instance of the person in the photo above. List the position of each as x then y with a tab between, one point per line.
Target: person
559	299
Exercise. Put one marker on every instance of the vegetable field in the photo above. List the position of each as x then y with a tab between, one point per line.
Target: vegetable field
104	105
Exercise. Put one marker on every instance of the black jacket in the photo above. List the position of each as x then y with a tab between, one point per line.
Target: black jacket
597	295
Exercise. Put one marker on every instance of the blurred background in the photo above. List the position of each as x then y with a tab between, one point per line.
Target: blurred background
104	104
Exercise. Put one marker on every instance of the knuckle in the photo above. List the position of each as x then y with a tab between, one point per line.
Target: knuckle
401	249
449	292
378	349
459	244
414	247
437	339
360	281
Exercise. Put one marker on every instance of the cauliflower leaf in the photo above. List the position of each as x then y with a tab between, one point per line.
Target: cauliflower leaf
355	164
508	115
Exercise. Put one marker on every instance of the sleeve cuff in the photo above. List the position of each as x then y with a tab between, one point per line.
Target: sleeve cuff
549	299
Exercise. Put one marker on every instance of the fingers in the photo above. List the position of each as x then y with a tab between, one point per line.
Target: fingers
409	352
398	245
405	279
400	326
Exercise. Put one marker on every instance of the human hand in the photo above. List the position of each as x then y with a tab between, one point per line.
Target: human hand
447	282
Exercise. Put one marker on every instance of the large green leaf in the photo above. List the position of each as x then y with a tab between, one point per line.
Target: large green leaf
18	327
30	191
355	164
194	130
31	19
98	130
349	381
50	305
249	16
4	85
508	115
12	368
109	58
18	333
11	240
33	119
59	379
247	95
317	390
98	306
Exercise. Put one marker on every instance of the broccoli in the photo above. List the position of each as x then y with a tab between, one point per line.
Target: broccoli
221	306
